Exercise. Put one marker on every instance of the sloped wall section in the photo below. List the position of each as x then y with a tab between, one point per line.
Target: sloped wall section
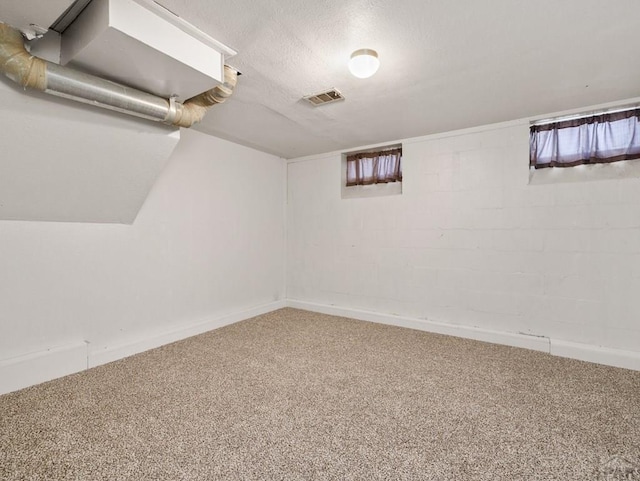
66	162
207	249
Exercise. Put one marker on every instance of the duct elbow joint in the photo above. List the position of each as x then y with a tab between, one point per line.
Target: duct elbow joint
18	64
194	109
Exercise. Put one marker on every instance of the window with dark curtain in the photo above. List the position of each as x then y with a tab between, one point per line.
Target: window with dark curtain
380	167
590	140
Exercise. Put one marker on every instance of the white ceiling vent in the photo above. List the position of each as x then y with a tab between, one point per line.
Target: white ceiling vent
141	44
326	97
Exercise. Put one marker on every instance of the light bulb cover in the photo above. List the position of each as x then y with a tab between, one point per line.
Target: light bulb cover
364	63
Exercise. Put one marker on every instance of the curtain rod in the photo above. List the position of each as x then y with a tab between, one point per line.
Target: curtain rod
584	115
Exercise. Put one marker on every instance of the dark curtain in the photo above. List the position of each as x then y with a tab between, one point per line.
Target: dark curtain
374	167
590	140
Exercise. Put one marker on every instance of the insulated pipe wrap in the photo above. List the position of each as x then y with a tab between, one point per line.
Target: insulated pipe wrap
194	109
17	63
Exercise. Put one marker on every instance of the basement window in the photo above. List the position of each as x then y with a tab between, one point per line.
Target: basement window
594	139
372	173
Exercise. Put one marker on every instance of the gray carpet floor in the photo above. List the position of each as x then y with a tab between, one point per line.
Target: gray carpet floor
294	395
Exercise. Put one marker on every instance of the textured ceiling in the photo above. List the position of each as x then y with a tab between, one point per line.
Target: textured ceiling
444	65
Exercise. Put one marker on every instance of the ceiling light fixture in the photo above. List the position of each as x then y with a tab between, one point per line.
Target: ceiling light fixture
364	63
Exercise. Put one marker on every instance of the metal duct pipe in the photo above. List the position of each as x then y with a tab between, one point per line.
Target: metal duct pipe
38	74
82	87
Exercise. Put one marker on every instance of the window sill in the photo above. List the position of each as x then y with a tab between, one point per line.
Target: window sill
374	190
626	169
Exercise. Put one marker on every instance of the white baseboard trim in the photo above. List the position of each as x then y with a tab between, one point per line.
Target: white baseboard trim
497	337
34	368
582	352
103	355
597	354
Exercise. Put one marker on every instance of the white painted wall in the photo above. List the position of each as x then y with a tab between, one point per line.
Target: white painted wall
469	248
471	243
207	244
63	161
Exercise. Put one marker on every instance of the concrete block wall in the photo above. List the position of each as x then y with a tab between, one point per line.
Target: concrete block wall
471	242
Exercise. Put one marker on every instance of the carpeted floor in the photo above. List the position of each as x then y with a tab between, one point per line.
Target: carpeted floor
294	395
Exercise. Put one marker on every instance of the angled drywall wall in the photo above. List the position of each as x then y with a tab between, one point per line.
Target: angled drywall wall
63	161
206	249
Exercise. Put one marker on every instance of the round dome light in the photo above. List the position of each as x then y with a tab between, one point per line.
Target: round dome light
364	63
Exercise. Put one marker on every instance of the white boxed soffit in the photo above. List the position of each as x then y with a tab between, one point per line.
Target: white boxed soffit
32	15
141	44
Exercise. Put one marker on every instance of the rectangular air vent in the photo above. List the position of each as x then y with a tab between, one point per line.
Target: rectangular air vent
325	97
